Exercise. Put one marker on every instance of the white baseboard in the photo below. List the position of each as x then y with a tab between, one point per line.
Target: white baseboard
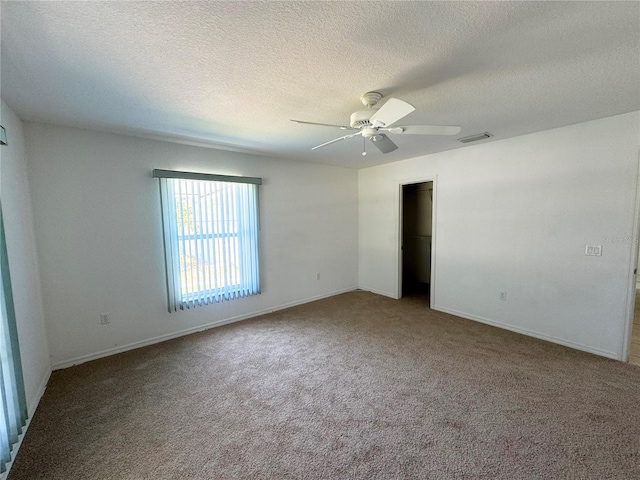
31	408
379	292
181	333
530	333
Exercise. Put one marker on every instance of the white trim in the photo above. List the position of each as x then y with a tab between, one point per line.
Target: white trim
181	333
379	292
530	333
434	239
400	244
33	405
633	279
31	408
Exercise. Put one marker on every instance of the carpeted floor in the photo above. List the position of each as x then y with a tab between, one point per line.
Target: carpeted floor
357	386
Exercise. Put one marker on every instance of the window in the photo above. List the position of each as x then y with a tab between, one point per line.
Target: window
13	403
210	225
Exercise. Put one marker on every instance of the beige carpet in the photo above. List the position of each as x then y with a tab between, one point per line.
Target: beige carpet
356	386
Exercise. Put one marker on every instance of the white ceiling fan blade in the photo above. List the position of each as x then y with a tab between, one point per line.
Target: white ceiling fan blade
392	111
425	129
341	127
384	143
337	140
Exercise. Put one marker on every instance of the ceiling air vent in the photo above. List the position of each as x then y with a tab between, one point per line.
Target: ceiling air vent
475	138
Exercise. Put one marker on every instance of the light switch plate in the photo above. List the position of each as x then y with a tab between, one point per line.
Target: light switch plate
593	250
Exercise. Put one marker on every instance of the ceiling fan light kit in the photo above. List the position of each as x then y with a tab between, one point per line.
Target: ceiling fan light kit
373	123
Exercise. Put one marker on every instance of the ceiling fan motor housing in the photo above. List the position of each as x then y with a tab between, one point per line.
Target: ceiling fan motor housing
361	119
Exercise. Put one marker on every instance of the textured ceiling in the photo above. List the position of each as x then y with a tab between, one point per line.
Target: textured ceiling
232	74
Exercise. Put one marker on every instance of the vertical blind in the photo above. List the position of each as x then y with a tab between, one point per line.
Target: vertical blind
13	403
210	228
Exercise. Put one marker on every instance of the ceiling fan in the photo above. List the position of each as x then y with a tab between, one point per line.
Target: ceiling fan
374	123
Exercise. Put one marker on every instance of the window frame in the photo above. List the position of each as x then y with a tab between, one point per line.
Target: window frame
179	294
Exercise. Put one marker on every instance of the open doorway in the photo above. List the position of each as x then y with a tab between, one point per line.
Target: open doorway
632	339
634	347
416	242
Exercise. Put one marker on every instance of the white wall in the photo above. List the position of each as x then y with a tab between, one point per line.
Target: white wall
515	216
97	219
23	265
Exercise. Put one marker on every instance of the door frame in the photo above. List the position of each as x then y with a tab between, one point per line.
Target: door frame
434	210
631	288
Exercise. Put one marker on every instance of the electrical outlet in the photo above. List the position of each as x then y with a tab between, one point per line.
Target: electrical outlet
105	318
503	296
317	276
593	250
